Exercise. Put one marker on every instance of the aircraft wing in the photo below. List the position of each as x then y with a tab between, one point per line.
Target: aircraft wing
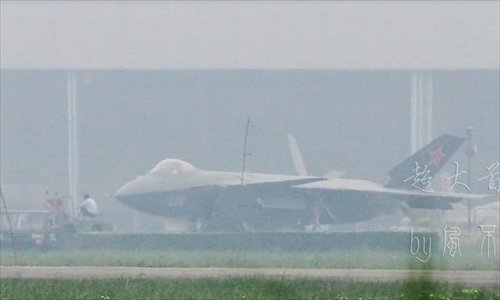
330	190
359	189
254	180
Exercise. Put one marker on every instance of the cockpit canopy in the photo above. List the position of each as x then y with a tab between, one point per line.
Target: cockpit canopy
169	166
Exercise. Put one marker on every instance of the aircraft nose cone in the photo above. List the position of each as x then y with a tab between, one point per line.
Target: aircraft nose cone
139	186
129	188
122	191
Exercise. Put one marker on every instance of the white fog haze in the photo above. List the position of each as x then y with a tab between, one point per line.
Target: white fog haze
249	149
129	120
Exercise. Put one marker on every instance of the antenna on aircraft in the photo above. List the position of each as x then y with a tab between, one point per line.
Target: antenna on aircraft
245	153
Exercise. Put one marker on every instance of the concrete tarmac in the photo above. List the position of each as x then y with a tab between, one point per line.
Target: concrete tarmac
474	278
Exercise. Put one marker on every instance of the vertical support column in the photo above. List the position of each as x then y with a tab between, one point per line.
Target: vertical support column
428	98
72	141
470	152
414	110
422	93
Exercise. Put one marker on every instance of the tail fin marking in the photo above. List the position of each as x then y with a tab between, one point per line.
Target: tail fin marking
431	157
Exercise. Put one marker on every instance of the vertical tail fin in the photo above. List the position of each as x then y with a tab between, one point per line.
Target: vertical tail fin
430	158
298	163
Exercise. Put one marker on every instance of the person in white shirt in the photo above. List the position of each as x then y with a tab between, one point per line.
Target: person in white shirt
88	207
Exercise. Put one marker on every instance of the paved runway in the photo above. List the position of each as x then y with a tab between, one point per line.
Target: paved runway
476	278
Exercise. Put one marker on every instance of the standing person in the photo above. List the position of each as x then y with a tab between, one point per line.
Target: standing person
88	207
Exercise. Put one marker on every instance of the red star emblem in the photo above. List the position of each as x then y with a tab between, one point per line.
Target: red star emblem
436	157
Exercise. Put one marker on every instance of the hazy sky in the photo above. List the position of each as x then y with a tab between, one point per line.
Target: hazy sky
250	35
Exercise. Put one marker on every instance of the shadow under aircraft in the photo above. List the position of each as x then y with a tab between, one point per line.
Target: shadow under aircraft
231	201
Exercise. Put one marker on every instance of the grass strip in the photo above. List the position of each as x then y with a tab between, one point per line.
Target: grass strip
341	259
236	288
